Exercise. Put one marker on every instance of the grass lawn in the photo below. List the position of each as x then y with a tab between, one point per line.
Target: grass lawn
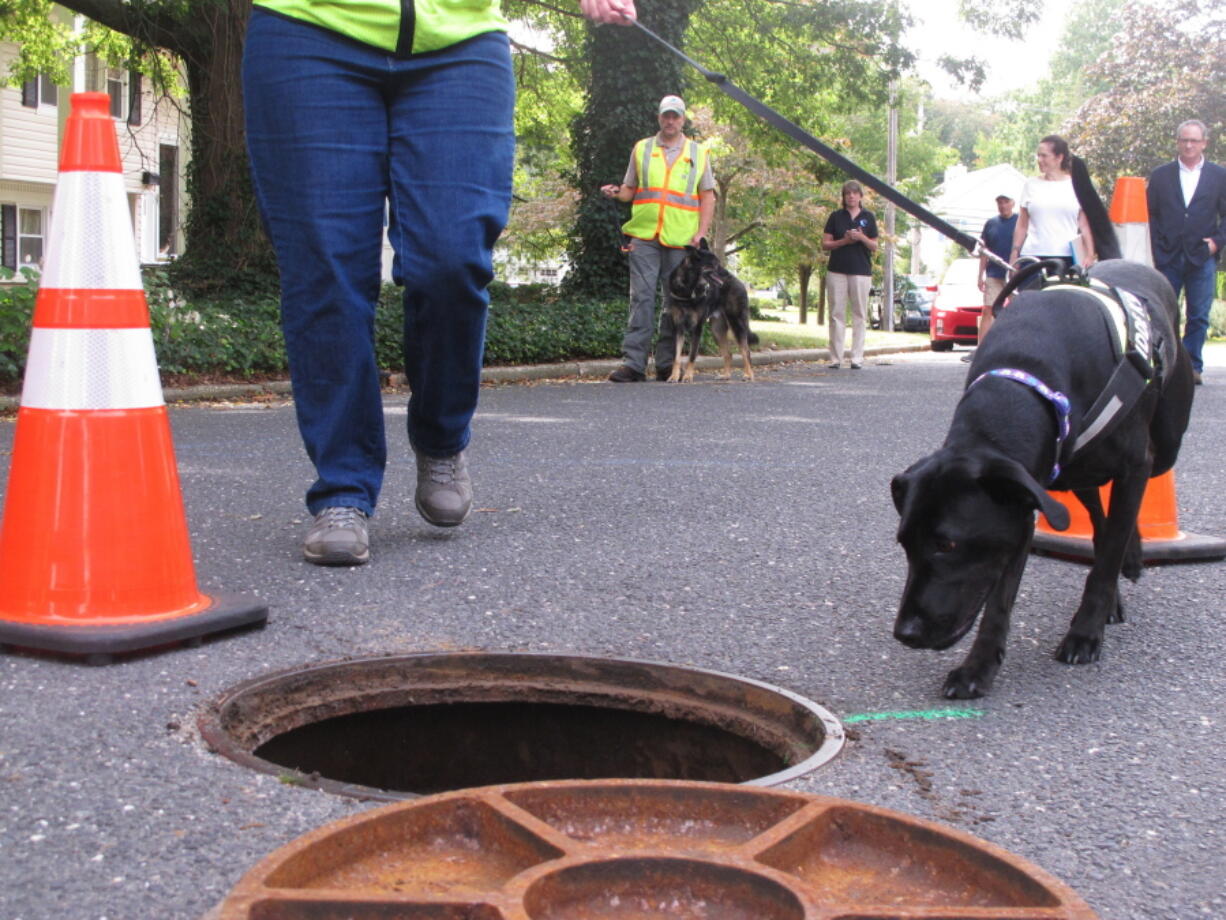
789	333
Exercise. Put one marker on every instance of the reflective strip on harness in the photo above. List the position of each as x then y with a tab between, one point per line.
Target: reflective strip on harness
1128	318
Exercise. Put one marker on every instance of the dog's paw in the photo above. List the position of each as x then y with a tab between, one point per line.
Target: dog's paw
1117	615
966	684
1079	649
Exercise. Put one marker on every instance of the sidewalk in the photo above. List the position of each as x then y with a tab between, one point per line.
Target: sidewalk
595	368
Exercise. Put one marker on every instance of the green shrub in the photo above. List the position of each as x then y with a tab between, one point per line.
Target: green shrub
1217	319
236	337
529	324
16	315
241	336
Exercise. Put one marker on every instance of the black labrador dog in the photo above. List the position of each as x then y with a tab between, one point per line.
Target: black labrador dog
967	510
700	289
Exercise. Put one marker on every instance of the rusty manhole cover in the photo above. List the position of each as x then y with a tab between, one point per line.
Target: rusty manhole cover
396	727
634	850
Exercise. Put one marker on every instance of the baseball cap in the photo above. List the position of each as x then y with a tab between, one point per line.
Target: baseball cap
672	104
1008	195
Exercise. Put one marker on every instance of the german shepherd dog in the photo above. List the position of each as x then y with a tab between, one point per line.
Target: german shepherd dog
700	289
1026	423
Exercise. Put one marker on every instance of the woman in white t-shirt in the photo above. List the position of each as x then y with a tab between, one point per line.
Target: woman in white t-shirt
1050	223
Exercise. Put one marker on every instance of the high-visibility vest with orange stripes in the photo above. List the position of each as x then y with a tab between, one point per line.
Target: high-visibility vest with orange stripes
666	200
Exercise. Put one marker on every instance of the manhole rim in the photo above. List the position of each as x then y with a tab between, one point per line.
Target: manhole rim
218	739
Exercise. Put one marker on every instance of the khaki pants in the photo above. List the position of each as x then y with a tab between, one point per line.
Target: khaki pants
991	288
844	291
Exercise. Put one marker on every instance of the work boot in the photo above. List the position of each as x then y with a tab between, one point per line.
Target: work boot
627	374
444	491
338	537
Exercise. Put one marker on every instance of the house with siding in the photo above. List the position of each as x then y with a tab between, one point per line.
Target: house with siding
152	132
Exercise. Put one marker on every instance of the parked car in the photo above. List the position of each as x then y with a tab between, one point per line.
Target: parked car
914	308
955	311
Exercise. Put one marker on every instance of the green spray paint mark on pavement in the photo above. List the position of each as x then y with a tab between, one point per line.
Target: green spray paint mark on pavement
915	714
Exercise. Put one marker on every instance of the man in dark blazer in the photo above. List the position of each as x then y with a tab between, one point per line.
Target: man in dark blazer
1187	229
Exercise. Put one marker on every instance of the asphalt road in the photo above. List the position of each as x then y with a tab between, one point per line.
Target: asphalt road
741	528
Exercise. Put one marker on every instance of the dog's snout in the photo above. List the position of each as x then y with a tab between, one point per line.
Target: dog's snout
909	630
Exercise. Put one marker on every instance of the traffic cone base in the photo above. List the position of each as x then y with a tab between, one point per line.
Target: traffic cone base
1161	539
99	644
95	556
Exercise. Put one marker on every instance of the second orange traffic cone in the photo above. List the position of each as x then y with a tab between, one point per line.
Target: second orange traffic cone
1158	521
1130	215
95	557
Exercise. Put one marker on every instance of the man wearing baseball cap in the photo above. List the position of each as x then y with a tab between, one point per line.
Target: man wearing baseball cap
998	238
670	183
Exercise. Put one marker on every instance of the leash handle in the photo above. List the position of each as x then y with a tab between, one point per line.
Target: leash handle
798	134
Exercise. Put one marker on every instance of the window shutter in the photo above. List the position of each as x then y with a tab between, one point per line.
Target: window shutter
134	97
29	93
8	235
48	90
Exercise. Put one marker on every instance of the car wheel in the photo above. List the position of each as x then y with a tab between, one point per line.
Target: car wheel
942	346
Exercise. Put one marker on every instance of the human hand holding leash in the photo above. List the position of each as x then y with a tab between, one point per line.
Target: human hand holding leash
618	12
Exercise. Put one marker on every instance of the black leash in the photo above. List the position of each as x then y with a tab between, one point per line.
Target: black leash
794	131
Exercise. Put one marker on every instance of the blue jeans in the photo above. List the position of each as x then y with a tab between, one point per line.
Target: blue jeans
1197	283
341	134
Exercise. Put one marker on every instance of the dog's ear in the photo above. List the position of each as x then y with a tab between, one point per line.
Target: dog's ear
898	490
702	244
1004	473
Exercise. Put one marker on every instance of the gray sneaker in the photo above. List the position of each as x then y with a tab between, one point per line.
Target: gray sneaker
444	491
338	537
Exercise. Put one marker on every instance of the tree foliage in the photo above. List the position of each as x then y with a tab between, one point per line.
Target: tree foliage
1164	65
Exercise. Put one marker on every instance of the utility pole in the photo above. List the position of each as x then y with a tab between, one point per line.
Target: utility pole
891	176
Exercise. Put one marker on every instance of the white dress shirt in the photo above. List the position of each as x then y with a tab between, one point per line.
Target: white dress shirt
1189	176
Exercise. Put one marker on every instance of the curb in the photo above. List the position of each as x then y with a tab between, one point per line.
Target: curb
580	369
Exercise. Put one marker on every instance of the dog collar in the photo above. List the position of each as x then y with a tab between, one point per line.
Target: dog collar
1058	401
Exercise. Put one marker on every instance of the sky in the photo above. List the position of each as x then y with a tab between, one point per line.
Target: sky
1012	64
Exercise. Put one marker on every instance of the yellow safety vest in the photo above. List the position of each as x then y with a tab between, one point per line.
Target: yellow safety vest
402	27
665	203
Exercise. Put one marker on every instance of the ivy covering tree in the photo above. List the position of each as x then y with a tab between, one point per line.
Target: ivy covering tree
627	74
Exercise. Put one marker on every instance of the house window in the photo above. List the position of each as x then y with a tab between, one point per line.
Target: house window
39	92
168	199
117	89
30	236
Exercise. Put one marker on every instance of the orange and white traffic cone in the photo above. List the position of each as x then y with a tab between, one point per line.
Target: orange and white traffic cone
95	557
1158	521
1130	215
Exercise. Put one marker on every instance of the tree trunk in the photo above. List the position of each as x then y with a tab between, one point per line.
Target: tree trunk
805	272
629	74
226	246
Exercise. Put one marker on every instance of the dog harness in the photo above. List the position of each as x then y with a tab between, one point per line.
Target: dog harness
1129	322
1136	363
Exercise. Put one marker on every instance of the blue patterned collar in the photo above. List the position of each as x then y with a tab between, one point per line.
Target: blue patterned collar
1057	399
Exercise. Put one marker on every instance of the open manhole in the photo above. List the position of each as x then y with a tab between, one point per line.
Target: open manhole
642	850
398	727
